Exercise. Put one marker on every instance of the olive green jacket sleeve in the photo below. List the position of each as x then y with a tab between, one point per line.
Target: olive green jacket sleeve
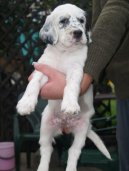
107	34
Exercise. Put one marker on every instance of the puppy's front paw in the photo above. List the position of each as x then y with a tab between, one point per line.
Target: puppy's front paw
26	105
70	108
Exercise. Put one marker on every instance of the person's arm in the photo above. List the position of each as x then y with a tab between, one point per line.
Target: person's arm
107	35
54	88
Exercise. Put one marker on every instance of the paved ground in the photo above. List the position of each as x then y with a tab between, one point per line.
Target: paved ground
54	166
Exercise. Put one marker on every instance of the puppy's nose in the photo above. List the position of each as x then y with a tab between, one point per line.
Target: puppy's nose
77	34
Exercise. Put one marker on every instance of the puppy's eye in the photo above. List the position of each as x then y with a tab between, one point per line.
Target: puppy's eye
64	21
81	20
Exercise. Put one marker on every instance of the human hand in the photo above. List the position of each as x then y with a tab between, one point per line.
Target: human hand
54	88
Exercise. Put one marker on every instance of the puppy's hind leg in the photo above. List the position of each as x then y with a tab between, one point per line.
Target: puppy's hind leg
46	138
75	150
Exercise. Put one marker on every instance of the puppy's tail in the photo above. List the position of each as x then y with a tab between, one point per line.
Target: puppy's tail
98	142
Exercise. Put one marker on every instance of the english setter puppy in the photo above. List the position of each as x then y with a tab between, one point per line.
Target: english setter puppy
65	33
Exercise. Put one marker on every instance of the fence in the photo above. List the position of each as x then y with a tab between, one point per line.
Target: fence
20	22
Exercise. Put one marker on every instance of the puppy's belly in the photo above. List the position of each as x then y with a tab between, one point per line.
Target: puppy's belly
66	123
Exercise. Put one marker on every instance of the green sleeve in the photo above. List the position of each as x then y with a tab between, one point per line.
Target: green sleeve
106	36
96	10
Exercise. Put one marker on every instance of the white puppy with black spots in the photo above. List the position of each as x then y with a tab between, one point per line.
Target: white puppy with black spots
67	38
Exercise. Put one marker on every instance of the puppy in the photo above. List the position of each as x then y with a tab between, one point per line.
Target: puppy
67	38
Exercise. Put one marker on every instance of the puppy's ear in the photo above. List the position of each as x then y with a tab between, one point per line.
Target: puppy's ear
48	32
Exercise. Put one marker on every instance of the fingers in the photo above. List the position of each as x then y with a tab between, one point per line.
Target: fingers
42	68
47	70
54	88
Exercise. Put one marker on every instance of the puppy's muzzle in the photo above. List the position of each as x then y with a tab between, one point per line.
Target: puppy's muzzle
77	34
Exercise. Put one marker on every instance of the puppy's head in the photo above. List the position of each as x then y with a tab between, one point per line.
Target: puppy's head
66	25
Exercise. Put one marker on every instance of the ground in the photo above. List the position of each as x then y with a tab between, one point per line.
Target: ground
54	166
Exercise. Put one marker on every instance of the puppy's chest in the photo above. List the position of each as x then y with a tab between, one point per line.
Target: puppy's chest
63	61
60	63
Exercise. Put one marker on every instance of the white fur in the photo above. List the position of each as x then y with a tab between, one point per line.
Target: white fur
68	55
